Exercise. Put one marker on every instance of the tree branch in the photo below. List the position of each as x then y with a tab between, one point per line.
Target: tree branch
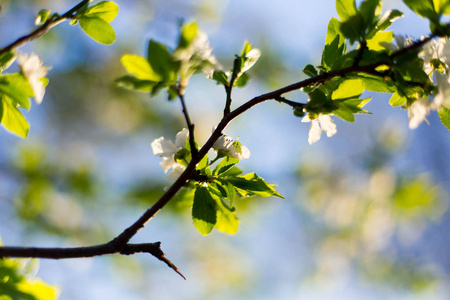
119	245
84	252
52	22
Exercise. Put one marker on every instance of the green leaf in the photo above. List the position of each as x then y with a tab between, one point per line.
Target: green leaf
203	163
310	70
344	113
348	89
220	77
17	88
204	209
162	62
226	218
252	184
12	118
332	52
98	29
424	8
376	84
369	10
6	59
380	38
397	100
105	10
444	115
17	282
139	66
242	80
442	6
346	9
333	31
188	34
133	83
388	18
354	28
226	164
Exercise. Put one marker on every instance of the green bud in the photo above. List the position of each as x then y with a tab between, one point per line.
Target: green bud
298	112
42	17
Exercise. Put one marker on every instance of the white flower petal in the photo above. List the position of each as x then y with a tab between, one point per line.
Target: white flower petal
176	172
327	125
167	163
314	132
181	138
163	148
418	111
33	69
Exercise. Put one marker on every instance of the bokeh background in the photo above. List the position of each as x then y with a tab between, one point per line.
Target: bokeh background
366	211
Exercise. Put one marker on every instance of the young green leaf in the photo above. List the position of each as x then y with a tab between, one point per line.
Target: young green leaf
17	88
105	10
133	83
204	209
162	62
226	164
226	218
388	18
346	9
98	29
6	59
424	8
252	184
220	77
140	67
12	118
397	100
444	115
348	89
188	34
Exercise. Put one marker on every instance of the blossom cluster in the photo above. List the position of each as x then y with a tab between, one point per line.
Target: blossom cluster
176	156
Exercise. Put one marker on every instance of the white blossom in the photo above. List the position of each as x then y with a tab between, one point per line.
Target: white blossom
443	95
435	49
417	112
167	149
400	43
231	148
176	171
33	69
321	123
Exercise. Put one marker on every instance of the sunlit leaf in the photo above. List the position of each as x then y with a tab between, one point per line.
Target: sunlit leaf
17	88
139	66
204	209
252	184
345	9
444	115
6	59
12	118
98	29
348	89
133	83
105	10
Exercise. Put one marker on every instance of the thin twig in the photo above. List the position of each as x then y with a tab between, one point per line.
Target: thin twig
229	87
194	150
52	22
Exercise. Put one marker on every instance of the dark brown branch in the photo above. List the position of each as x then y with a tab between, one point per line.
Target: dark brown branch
85	252
52	22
